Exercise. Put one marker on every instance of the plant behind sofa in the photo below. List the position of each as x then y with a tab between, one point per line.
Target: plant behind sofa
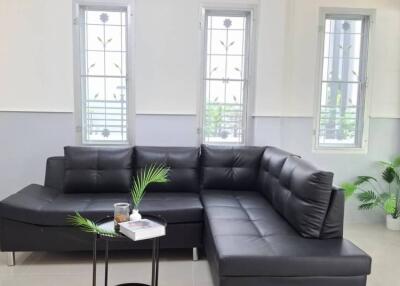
383	193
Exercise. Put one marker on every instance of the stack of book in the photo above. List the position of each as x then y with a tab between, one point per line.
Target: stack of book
142	229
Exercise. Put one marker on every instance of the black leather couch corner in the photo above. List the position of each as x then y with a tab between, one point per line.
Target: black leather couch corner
264	216
277	232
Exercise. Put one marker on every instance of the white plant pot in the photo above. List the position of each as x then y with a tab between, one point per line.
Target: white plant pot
135	216
392	223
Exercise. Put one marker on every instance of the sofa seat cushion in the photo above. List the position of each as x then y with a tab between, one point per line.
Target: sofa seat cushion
249	238
46	206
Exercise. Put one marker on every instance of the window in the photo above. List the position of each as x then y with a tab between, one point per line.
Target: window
103	74
343	81
226	72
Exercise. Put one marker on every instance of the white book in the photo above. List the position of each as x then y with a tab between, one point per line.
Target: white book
142	229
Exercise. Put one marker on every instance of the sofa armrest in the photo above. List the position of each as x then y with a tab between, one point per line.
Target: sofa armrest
333	224
54	177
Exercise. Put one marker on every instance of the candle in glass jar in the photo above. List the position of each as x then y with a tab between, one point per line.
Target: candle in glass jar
121	213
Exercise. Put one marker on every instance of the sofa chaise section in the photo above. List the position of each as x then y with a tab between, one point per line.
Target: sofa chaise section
272	233
41	212
254	245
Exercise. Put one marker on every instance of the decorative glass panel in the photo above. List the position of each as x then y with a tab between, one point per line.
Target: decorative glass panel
343	81
103	75
227	34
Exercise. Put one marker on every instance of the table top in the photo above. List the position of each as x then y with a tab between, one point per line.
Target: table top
107	224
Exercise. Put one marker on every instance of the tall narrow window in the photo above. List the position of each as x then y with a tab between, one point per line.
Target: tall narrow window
343	84
103	74
226	60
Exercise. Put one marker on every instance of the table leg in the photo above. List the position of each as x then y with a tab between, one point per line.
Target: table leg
94	259
106	265
157	258
155	261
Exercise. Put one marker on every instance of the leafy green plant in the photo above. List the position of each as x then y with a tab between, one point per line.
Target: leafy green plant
148	175
214	119
88	225
383	193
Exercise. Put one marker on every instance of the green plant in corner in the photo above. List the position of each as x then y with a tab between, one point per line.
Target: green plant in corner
88	225
145	177
384	193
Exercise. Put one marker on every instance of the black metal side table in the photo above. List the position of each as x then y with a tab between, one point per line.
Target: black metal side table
108	224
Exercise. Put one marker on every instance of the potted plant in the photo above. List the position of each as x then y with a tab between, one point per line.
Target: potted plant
383	193
146	176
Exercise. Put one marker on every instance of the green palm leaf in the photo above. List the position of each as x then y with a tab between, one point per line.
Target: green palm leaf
87	225
362	179
349	189
388	174
366	206
146	176
385	163
367	196
396	162
390	206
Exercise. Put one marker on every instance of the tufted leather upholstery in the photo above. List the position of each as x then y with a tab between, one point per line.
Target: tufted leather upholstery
230	168
247	238
270	169
270	217
297	190
183	163
97	170
46	206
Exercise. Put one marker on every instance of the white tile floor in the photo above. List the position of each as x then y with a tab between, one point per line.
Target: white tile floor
177	269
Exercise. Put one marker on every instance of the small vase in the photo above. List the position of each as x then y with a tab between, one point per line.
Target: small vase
135	215
392	223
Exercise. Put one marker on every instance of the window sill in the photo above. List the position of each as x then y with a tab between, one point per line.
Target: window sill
340	150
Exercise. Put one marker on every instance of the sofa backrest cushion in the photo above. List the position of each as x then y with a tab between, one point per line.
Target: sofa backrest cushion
183	163
97	170
230	168
299	192
270	169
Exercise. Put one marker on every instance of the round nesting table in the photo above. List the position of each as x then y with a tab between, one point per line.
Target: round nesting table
107	223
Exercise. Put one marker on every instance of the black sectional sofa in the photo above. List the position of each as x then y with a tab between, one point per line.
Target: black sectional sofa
263	216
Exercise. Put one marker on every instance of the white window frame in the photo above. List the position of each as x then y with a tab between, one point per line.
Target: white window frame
249	90
365	105
78	118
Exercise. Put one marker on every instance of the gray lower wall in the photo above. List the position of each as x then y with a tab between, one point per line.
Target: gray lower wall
27	139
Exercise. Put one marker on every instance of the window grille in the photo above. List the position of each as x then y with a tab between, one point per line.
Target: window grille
226	75
344	78
103	74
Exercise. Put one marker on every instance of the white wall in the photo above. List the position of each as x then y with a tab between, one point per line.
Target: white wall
36	55
36	74
167	52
